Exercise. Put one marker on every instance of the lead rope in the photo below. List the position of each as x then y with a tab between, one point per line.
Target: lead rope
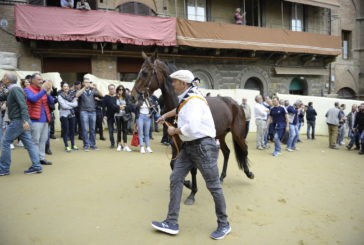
174	140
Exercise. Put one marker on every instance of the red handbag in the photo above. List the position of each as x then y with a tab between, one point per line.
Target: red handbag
135	139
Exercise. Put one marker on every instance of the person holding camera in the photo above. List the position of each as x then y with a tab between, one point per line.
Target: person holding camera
87	106
83	5
67	104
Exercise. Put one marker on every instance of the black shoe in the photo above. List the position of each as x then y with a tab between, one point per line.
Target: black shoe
349	147
102	138
112	147
32	170
361	152
52	136
48	151
333	147
45	162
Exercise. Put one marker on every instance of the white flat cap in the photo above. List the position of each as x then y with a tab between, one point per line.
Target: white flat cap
183	75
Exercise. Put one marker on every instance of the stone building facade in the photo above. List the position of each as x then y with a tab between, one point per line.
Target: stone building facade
269	72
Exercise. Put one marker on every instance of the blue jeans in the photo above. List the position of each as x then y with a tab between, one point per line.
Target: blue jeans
362	137
278	134
88	125
299	125
13	131
311	124
354	138
293	136
143	123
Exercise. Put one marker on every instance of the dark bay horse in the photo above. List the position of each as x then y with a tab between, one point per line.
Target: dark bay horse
227	114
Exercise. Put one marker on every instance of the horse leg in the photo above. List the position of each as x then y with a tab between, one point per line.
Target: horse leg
226	152
191	198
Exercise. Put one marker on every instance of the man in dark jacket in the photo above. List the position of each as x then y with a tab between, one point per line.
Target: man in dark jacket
359	126
353	135
311	121
19	127
110	108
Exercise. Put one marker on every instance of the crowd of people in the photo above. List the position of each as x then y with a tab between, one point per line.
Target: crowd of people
279	121
82	109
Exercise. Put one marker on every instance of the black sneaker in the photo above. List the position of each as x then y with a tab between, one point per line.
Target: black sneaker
45	162
166	227
221	232
32	170
3	173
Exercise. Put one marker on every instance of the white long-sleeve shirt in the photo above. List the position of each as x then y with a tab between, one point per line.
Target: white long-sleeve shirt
260	111
195	119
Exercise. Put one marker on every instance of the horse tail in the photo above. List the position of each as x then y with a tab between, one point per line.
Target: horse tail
241	155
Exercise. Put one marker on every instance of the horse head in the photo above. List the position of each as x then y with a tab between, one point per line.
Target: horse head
150	78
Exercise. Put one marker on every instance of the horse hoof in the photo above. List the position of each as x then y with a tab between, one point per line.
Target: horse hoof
189	201
250	175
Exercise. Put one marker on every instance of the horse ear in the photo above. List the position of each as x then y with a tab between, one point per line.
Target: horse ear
144	55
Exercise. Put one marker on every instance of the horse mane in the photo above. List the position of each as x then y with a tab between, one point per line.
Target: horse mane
168	68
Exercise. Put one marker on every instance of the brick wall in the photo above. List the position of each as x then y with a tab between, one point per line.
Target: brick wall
105	67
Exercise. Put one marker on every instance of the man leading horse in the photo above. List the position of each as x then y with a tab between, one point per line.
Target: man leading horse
195	126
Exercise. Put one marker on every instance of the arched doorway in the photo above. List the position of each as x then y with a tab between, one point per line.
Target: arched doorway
205	79
346	93
298	86
254	83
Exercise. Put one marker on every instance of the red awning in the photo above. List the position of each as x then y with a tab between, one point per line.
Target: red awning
59	24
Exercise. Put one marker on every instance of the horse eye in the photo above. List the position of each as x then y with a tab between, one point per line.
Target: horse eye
144	73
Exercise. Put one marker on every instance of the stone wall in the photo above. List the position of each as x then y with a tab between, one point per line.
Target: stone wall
231	75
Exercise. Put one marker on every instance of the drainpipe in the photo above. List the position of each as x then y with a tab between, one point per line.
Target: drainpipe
175	8
330	62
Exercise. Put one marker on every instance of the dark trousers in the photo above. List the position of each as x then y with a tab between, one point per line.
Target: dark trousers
99	120
247	124
311	124
51	124
202	155
78	126
122	126
68	130
165	138
110	126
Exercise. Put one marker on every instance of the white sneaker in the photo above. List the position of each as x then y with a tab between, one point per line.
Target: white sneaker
20	144
289	149
119	148
142	150
126	148
149	150
12	147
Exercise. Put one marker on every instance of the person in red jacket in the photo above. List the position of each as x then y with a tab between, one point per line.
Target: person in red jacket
38	100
